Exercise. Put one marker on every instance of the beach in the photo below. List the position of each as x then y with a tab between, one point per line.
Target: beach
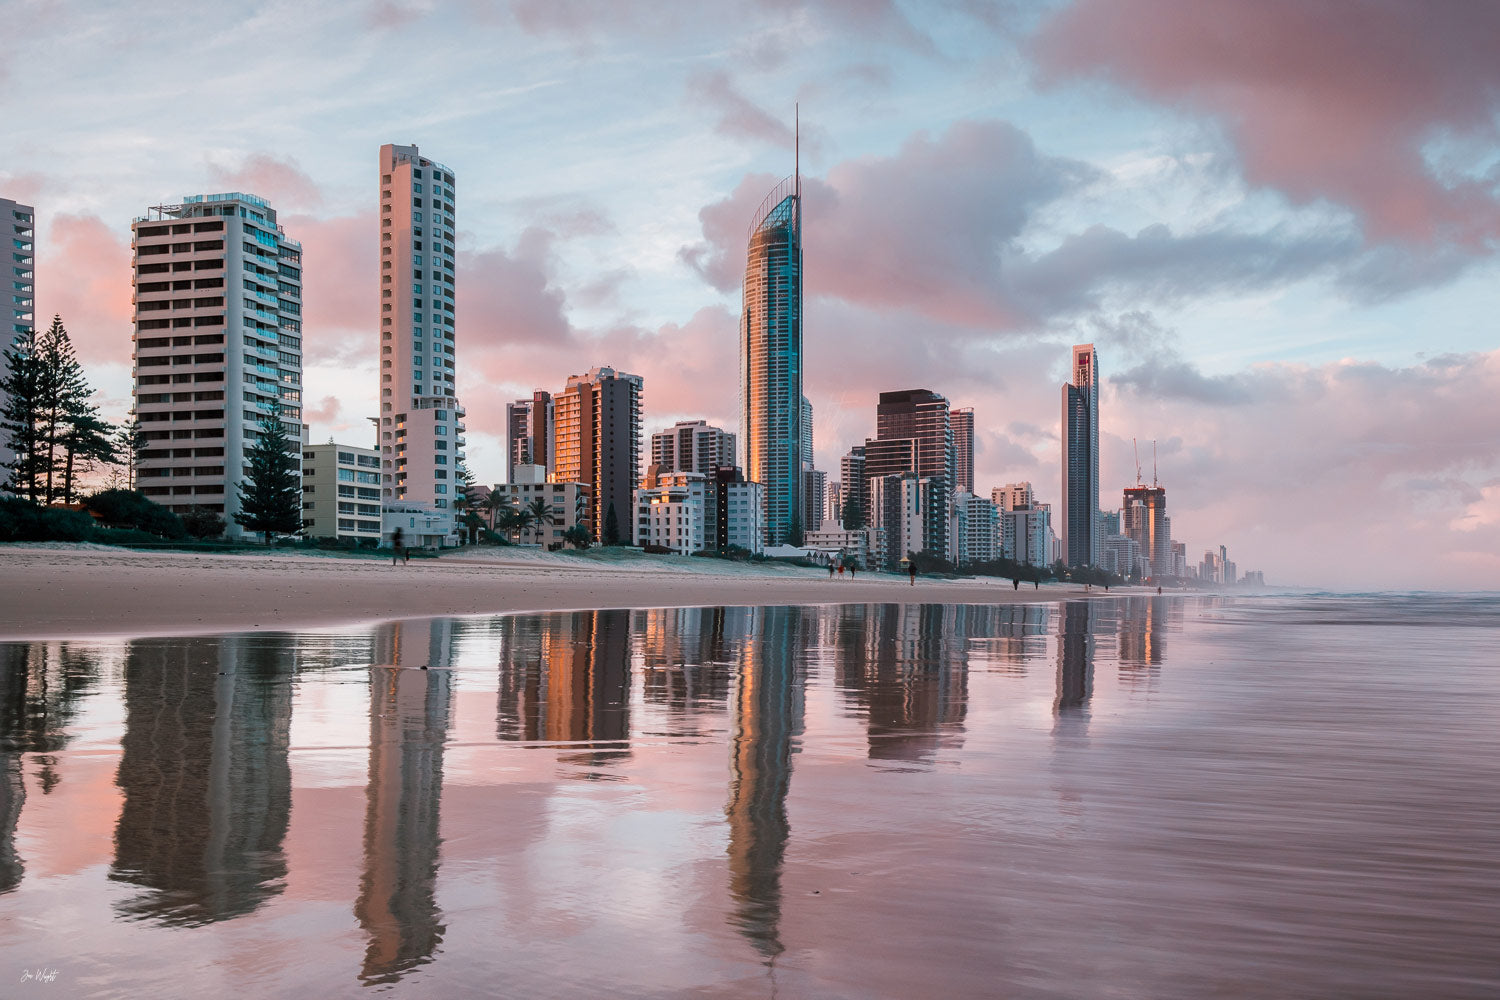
81	590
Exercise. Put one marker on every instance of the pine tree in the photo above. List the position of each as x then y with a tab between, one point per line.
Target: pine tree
130	443
854	515
20	388
63	396
85	440
271	496
611	526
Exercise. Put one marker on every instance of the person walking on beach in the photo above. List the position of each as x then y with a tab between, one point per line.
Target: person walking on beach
831	568
912	569
395	546
851	570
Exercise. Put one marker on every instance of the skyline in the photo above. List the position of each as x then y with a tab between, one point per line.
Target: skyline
979	195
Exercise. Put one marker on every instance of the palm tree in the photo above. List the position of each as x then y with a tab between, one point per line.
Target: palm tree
520	520
541	516
494	503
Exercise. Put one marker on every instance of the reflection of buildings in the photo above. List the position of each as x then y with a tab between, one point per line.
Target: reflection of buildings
1143	630
566	678
903	665
205	775
683	658
1075	657
409	715
767	716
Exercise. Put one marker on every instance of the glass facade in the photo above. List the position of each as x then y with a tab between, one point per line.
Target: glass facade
771	363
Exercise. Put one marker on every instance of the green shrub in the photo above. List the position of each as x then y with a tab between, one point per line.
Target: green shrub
129	509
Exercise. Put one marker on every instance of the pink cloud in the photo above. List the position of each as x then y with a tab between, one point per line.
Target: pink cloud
281	182
339	282
84	275
1322	100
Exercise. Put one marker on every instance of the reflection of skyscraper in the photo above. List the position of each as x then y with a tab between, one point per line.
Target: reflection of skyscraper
568	681
681	653
1143	633
771	361
205	775
912	682
409	716
1075	657
767	717
1079	530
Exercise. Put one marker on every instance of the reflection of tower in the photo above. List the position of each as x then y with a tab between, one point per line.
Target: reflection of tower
409	712
681	654
204	771
767	716
1143	633
569	680
896	663
1075	657
13	712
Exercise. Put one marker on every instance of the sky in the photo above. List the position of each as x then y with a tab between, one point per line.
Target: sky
1277	220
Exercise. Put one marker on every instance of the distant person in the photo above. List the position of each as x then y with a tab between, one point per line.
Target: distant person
1015	584
1158	590
841	571
396	548
851	570
912	569
831	568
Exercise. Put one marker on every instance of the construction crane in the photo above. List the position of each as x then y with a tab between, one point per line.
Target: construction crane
1137	449
1154	483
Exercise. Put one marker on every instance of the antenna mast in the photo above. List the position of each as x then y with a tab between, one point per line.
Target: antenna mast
1137	449
1154	483
797	153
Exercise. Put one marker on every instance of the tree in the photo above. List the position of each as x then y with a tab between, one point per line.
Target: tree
473	522
495	503
201	522
854	514
577	536
63	399
21	388
128	509
611	526
131	444
541	516
86	440
271	495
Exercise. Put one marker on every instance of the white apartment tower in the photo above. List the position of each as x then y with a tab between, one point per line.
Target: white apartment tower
17	228
218	345
421	429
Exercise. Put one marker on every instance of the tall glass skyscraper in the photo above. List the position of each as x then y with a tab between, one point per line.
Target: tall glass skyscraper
1079	526
771	409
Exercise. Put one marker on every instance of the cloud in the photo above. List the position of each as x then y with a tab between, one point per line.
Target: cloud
1321	100
737	116
84	275
339	283
281	182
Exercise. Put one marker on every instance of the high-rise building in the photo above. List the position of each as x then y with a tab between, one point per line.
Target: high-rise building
814	489
855	512
692	446
17	235
963	449
976	523
421	429
833	505
218	345
598	442
1080	533
1013	496
771	361
914	434
1145	517
529	430
807	433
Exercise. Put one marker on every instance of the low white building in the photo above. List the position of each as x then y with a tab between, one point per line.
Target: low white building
341	492
670	510
864	547
423	526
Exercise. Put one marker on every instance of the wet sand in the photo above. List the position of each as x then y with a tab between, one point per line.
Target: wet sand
71	591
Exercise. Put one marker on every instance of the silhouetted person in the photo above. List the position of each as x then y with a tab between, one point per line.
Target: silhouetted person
396	549
1015	584
851	571
1158	590
912	569
831	568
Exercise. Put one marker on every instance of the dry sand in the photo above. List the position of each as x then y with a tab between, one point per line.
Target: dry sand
60	591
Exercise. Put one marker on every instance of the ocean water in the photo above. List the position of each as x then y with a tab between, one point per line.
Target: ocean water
1125	797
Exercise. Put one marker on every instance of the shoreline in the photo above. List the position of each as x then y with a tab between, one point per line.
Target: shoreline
81	591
